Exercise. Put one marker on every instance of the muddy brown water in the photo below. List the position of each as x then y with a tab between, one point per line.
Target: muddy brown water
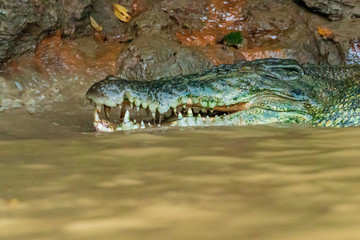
61	180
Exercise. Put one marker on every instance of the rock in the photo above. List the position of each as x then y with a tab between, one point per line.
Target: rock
343	45
150	57
335	9
186	13
74	20
154	51
9	98
150	22
24	23
102	12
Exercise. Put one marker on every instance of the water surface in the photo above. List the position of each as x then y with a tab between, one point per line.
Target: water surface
60	180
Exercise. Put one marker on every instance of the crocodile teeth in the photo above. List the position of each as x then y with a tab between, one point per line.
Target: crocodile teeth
107	112
127	116
190	113
96	114
180	116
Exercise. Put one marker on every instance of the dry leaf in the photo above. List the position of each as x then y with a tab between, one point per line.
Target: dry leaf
121	13
95	24
325	32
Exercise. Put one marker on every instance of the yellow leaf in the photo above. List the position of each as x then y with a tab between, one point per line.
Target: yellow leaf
325	32
95	24
121	13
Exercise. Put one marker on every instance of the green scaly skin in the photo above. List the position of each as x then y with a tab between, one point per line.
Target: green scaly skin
272	91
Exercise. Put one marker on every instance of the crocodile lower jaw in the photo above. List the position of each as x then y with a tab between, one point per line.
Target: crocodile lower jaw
207	118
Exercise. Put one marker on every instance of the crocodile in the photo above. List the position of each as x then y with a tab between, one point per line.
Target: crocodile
266	91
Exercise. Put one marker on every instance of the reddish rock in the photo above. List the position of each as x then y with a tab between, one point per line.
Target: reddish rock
139	6
78	56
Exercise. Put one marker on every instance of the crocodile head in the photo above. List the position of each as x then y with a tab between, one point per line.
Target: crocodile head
258	92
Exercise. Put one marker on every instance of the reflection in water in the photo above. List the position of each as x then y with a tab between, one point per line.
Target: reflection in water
207	183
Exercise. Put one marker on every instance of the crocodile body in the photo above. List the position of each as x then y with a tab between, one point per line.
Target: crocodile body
258	92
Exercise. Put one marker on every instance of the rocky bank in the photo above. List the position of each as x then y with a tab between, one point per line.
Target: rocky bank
49	52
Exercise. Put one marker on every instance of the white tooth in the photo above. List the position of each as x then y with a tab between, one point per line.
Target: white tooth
163	109
211	110
190	113
142	125
137	102
149	124
153	114
144	104
96	114
127	116
181	121
204	110
129	97
159	125
199	120
107	112
131	105
137	108
152	107
212	104
180	116
175	111
208	120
